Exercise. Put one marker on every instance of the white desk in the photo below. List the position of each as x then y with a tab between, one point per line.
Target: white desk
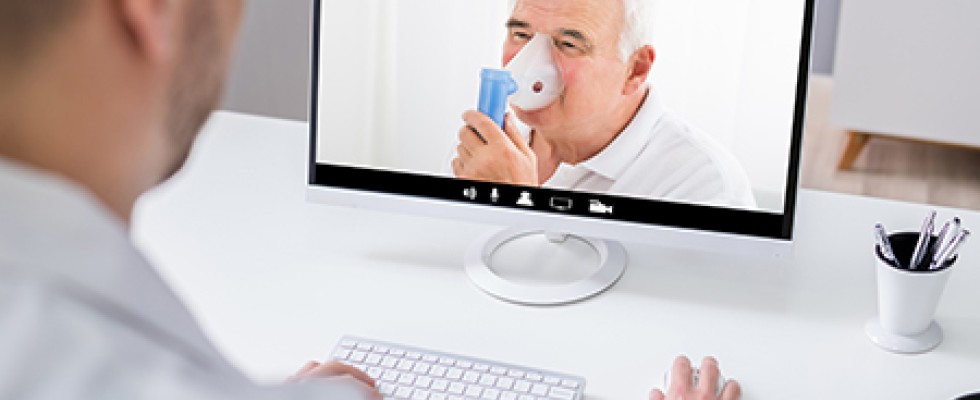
276	281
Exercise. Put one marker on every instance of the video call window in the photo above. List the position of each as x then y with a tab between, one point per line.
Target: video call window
716	126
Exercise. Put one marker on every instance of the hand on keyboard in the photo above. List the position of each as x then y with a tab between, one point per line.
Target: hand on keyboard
313	370
410	373
682	383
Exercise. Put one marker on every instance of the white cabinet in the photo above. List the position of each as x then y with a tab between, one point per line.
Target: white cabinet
908	69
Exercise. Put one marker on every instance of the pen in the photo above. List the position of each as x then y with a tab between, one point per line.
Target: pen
885	245
950	252
937	245
924	235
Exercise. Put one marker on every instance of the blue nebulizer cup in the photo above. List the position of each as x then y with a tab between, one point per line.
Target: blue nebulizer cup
496	85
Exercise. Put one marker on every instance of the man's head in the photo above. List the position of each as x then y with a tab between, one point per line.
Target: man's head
601	48
110	93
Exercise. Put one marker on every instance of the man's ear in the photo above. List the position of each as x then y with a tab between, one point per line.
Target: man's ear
639	65
151	25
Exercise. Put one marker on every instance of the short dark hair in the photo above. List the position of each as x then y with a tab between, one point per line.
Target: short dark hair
25	25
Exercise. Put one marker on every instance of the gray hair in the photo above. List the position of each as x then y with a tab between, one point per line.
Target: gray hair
636	26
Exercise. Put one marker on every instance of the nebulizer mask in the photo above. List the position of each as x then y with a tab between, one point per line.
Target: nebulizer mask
532	78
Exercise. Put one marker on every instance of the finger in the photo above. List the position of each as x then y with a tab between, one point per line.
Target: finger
463	153
514	134
458	168
708	376
470	139
335	369
491	133
681	374
305	369
731	391
656	394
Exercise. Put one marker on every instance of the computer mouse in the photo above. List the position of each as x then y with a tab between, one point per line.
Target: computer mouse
695	374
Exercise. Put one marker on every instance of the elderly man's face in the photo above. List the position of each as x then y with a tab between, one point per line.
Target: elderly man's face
586	34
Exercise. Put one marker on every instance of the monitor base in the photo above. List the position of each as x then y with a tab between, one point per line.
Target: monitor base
532	267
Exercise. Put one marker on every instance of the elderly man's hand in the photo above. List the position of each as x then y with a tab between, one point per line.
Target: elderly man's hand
487	153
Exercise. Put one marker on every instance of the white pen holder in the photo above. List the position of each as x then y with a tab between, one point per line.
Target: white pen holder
907	301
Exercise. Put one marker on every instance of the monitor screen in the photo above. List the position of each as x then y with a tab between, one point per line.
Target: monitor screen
683	114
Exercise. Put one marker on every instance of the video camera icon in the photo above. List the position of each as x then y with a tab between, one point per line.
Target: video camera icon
597	207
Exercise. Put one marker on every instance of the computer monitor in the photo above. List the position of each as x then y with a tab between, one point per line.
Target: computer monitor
671	122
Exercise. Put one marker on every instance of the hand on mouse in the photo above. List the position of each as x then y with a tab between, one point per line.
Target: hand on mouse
682	382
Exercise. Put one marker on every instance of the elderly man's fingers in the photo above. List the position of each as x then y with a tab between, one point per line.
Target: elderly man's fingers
488	129
656	394
731	391
458	170
514	134
470	139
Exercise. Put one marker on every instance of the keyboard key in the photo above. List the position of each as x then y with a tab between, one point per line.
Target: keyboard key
438	371
515	373
451	397
488	380
429	358
386	388
405	365
403	392
522	386
389	362
348	344
490	394
440	385
561	393
464	364
508	396
481	367
449	362
421	368
539	389
413	355
341	354
381	349
454	373
423	382
457	388
552	380
569	384
531	376
473	391
420	394
396	352
437	396
357	356
363	346
498	370
505	383
471	377
373	359
525	397
406	379
375	372
390	376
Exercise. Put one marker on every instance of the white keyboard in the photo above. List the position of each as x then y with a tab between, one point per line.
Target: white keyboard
404	372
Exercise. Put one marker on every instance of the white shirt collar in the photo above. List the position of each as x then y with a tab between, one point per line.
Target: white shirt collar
614	160
58	231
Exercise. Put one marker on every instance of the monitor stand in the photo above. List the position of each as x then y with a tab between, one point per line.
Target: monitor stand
533	267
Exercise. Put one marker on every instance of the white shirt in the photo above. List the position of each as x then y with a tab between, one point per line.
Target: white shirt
658	156
84	316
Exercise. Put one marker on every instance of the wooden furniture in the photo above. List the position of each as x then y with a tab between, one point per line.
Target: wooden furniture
908	70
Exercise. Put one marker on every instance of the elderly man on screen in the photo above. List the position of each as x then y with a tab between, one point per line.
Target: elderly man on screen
607	132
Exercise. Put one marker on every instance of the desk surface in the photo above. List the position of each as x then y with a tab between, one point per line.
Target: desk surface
276	281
